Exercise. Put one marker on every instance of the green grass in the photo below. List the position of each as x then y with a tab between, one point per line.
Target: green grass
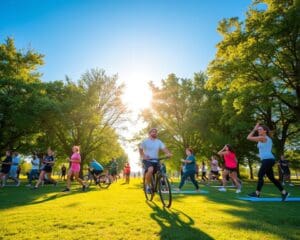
121	212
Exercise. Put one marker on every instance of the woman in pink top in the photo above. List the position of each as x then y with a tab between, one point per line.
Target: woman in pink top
230	169
74	169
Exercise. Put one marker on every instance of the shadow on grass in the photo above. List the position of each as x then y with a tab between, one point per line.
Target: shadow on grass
175	224
275	218
11	197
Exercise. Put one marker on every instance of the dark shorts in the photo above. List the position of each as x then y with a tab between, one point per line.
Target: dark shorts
47	169
231	170
147	164
113	172
286	171
97	172
215	172
5	170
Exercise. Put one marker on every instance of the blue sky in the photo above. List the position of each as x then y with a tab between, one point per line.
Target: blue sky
120	36
137	39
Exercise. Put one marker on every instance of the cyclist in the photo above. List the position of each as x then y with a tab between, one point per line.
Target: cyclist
95	168
149	150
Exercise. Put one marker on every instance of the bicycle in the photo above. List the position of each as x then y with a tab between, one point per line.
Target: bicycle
159	183
102	179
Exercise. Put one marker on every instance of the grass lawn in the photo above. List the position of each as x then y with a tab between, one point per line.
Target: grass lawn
121	212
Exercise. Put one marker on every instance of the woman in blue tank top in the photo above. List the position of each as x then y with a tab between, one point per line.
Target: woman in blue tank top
264	144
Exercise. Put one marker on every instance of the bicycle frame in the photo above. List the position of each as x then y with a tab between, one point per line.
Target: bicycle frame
159	183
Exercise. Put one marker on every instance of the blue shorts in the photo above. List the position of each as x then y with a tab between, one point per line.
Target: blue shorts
147	164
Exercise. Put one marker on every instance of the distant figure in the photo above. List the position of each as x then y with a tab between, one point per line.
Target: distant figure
197	170
214	169
264	144
34	172
126	172
13	173
46	170
63	172
113	169
5	168
203	170
285	170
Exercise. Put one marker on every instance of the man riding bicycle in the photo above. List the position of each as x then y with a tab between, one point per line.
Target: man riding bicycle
149	150
96	168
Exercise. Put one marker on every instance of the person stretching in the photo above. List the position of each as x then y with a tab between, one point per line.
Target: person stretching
267	160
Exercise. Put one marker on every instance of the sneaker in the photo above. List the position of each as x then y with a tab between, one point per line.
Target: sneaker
28	185
18	183
66	190
34	188
148	190
222	189
254	195
84	187
284	196
238	191
291	185
283	184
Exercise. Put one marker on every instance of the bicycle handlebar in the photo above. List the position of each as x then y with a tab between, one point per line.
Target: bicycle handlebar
156	159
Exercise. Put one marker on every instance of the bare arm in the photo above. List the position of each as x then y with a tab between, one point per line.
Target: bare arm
167	152
222	152
253	138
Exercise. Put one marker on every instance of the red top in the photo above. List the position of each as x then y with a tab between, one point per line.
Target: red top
230	160
127	169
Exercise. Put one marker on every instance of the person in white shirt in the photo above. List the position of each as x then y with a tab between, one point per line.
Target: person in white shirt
149	151
35	162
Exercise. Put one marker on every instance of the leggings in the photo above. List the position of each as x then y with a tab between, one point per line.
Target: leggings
192	177
266	168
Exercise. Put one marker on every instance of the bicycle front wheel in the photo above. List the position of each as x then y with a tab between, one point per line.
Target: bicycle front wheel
104	181
148	189
164	189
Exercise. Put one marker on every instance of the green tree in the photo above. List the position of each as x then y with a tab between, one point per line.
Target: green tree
257	63
20	96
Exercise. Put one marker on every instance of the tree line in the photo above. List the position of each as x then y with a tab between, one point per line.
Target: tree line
35	115
254	76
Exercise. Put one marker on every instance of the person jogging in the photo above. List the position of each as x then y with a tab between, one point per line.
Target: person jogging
75	169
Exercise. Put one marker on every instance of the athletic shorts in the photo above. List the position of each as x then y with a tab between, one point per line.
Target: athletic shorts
97	172
47	169
5	170
155	165
231	170
215	172
286	171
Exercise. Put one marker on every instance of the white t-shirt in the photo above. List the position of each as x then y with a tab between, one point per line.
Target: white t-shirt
35	164
151	147
214	165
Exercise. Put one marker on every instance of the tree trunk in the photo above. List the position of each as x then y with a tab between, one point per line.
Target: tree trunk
251	169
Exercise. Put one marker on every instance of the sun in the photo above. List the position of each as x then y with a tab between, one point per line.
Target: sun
137	95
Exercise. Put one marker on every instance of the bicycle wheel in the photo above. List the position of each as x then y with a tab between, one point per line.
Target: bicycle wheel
149	190
88	179
164	189
104	181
